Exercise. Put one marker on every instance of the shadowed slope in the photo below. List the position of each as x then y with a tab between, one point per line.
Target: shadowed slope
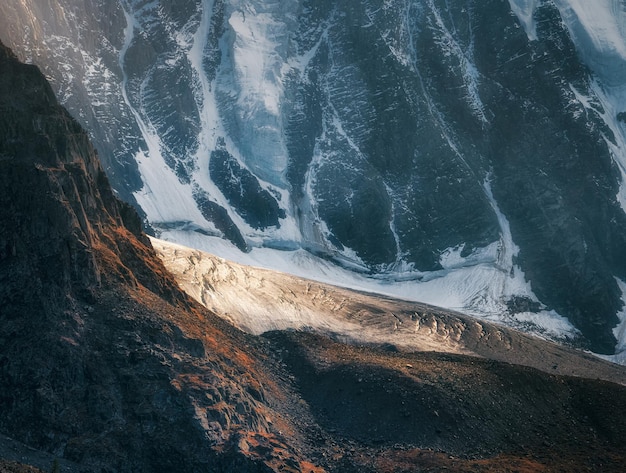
399	412
104	361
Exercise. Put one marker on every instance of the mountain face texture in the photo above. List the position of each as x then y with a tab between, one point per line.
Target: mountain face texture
104	361
107	366
407	139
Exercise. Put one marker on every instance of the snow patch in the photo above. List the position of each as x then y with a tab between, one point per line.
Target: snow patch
256	50
599	31
524	10
162	197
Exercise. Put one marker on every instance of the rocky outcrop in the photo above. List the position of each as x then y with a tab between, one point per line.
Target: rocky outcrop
104	361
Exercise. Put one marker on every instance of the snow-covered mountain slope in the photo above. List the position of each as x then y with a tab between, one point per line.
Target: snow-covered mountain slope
475	148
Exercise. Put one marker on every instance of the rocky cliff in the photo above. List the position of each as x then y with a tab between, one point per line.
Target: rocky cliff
104	361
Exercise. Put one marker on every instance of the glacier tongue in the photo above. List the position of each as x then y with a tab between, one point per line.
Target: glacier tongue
473	285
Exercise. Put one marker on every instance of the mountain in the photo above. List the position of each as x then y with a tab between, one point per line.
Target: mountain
473	151
107	366
104	361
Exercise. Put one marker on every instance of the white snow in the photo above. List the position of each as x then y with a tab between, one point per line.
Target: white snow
210	123
257	303
599	31
525	9
169	203
256	49
473	285
163	197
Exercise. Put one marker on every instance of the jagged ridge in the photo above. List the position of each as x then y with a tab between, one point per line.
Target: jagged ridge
104	360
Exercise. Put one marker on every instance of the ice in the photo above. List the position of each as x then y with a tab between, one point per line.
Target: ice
525	9
472	285
599	31
163	197
210	122
451	258
209	117
257	303
392	226
256	48
169	203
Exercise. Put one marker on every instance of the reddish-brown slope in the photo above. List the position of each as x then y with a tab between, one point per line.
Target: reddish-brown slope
103	360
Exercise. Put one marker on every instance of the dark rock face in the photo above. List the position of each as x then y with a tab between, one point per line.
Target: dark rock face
411	169
467	99
398	129
100	25
256	205
104	361
219	216
558	187
164	92
51	146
